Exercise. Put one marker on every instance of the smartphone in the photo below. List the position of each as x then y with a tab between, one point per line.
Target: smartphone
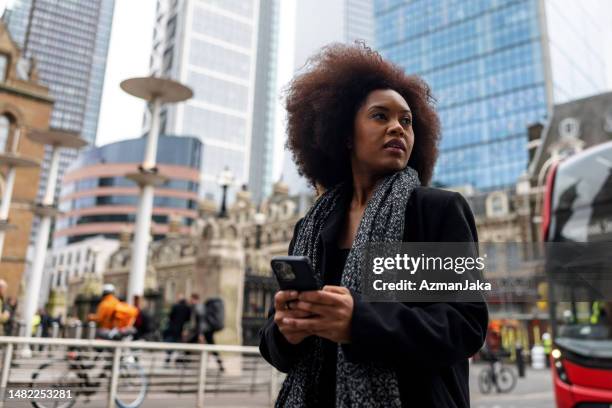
294	273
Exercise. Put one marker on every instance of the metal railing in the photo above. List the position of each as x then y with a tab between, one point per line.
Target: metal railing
172	370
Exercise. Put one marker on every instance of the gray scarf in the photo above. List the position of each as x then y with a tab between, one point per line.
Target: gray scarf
357	385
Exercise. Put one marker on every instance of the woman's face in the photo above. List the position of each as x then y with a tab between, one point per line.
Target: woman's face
383	137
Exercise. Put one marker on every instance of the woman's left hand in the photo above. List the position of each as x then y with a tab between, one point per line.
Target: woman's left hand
333	311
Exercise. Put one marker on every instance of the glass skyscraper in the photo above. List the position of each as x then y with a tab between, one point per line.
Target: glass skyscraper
262	139
494	66
69	40
212	46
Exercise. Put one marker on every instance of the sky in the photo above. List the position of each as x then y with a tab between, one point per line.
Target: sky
129	51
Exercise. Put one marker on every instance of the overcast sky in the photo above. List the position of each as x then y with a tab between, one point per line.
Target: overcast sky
129	51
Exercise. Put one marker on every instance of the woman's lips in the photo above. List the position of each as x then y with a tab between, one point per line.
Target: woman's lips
395	150
395	145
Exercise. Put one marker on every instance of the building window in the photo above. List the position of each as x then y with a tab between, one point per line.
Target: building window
3	66
5	127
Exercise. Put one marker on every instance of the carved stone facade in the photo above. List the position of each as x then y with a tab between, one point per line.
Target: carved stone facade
227	257
24	104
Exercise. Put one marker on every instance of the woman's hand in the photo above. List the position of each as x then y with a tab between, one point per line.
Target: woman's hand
333	311
282	299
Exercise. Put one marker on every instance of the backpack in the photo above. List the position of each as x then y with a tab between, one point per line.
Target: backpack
124	315
215	314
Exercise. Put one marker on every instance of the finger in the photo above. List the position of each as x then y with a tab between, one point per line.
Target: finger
283	296
313	308
294	313
336	289
308	325
320	297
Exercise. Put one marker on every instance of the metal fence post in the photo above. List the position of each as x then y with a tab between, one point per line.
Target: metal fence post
202	378
91	330
5	371
78	330
112	392
55	330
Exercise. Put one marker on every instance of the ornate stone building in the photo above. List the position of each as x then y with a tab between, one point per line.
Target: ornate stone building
24	104
222	256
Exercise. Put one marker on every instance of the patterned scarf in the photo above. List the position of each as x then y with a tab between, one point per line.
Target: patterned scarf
357	384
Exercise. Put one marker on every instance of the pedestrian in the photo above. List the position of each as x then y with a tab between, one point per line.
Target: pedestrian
180	314
10	327
5	313
214	322
365	134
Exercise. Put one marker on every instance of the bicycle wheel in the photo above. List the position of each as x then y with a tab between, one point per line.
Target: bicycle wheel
132	385
506	379
55	375
484	381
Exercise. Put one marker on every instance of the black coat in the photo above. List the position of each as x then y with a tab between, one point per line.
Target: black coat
180	313
428	344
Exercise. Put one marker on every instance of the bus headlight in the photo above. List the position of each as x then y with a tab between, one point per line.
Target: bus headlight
556	355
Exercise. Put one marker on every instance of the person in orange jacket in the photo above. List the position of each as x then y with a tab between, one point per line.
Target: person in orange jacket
104	315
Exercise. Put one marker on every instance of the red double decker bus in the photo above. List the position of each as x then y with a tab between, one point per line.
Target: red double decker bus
578	211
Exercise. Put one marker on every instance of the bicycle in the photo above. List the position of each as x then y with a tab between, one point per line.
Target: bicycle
496	374
84	374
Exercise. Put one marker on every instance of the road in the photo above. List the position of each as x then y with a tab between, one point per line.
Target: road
533	391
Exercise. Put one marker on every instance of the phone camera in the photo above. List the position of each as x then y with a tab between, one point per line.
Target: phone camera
284	271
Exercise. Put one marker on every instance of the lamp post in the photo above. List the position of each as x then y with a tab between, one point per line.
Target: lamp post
260	219
156	91
225	179
46	210
13	161
95	250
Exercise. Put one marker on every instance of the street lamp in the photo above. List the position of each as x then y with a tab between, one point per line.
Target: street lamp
155	91
260	219
225	179
46	211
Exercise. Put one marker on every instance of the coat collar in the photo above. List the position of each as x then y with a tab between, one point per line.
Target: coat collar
335	220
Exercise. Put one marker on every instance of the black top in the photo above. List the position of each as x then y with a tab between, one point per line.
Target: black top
427	344
336	260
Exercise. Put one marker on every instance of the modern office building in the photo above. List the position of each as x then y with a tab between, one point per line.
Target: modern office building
265	101
98	199
495	66
214	47
69	40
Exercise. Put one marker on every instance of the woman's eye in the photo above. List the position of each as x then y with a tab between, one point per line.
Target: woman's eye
406	121
379	116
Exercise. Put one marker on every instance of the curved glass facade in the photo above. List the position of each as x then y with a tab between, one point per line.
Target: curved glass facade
106	204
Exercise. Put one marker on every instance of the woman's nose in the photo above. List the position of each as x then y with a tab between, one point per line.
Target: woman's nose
396	128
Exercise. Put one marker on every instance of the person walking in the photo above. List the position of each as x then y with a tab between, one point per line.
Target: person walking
365	134
214	321
180	314
5	313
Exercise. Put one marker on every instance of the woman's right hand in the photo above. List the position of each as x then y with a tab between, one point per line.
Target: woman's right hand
293	335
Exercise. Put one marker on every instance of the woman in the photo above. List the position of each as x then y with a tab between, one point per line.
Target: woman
366	133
